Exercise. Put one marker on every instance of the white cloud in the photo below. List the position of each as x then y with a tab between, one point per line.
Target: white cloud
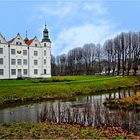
78	36
58	9
96	7
83	22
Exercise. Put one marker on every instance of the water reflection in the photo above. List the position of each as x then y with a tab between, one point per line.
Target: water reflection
90	114
86	110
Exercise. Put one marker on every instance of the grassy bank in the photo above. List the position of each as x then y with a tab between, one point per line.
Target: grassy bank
125	103
12	91
48	130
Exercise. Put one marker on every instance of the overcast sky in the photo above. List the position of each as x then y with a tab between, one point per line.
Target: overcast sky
71	23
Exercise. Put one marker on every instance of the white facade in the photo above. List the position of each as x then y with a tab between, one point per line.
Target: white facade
25	58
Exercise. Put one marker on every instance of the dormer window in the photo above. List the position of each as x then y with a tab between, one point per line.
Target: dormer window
18	43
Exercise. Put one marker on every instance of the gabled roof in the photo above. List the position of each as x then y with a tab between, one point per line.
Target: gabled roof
28	42
3	38
10	41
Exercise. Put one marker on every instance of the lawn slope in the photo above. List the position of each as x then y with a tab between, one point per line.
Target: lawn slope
12	91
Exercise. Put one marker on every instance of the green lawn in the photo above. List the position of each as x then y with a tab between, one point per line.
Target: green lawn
61	87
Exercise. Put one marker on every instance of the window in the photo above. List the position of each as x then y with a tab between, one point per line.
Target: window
1	50
44	61
19	62
44	52
13	71
24	61
44	44
1	72
35	45
13	51
25	71
19	72
35	71
1	61
44	71
24	52
35	62
18	43
35	53
13	61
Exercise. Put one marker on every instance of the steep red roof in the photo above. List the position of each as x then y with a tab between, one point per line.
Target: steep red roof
28	42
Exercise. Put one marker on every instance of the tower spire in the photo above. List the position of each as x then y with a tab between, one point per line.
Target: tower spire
26	33
45	35
45	24
26	38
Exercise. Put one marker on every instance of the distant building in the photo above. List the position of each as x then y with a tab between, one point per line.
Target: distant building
25	58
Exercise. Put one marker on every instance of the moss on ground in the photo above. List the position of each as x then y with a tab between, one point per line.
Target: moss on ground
125	103
46	130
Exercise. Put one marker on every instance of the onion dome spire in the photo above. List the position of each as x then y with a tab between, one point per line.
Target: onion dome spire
46	35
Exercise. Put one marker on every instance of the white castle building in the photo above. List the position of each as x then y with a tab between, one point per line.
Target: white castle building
25	58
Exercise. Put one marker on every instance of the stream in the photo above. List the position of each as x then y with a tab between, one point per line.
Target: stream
84	110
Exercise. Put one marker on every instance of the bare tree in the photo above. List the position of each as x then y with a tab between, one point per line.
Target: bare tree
99	57
119	56
53	66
